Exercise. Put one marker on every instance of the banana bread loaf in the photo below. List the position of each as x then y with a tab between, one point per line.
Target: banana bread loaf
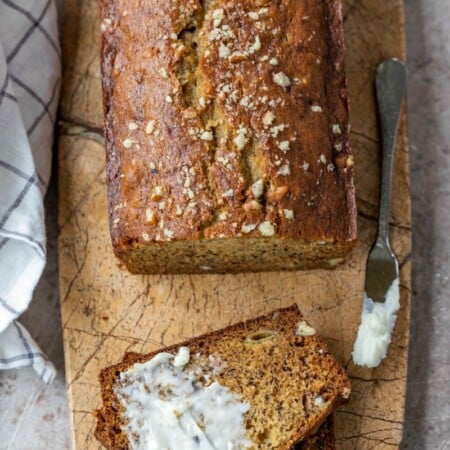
266	383
227	134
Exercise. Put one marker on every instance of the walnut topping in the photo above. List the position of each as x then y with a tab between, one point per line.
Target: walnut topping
274	62
241	139
336	129
276	194
168	233
303	329
316	108
252	205
224	51
229	193
289	214
133	126
223	215
284	170
169	99
268	118
163	72
253	15
246	228
255	46
189	113
281	79
266	229
150	127
150	216
264	58
275	130
283	146
106	23
218	15
157	194
207	136
319	401
258	188
129	142
322	159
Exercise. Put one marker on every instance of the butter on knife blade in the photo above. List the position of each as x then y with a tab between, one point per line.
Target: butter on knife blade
375	331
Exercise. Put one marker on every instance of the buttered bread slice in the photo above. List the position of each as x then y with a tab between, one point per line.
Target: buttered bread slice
266	383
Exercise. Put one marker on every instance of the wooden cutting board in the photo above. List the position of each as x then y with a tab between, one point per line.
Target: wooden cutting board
106	311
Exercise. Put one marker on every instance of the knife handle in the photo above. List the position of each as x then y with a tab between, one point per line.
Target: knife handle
390	91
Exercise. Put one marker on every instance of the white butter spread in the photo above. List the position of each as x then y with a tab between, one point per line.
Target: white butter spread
375	331
170	406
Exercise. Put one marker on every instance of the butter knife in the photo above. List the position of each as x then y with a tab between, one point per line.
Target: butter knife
382	291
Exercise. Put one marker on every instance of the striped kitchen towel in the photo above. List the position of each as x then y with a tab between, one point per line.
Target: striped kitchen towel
30	70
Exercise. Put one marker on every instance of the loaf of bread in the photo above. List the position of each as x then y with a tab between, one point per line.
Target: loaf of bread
227	135
267	383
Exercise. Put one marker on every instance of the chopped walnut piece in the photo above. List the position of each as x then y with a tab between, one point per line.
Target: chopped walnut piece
252	205
276	194
266	229
150	216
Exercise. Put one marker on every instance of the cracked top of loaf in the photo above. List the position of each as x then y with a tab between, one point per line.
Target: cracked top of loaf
226	119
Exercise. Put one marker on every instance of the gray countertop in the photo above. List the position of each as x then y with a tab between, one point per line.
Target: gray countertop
34	416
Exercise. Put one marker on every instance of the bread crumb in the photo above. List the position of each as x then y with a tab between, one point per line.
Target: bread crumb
133	126
169	99
281	79
274	62
303	329
322	159
316	108
266	229
253	15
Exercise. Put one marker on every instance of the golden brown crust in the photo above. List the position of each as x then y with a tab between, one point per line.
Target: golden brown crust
226	120
301	368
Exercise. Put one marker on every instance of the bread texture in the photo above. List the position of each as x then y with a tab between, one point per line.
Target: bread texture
324	439
274	363
227	135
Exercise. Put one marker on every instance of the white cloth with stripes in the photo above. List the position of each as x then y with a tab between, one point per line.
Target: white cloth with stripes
30	71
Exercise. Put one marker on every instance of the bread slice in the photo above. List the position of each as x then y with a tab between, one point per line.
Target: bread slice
324	439
274	364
